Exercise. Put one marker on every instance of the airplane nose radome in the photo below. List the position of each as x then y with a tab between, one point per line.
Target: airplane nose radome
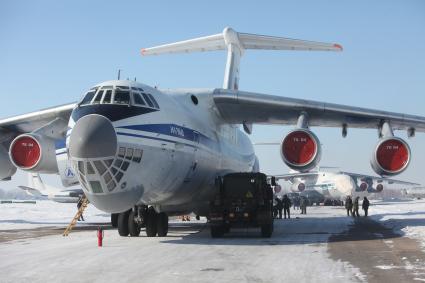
93	136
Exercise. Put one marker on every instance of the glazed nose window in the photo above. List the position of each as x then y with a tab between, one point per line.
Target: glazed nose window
122	97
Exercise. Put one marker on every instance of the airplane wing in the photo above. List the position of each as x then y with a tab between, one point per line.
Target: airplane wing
291	176
11	127
241	107
378	179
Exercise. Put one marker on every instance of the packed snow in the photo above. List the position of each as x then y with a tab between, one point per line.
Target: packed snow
405	217
46	213
297	251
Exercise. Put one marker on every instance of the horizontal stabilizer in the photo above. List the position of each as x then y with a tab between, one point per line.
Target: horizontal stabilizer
31	191
243	41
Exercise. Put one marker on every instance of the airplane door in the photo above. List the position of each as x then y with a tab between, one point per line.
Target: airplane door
193	167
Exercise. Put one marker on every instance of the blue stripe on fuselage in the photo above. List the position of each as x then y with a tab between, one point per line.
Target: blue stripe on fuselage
175	131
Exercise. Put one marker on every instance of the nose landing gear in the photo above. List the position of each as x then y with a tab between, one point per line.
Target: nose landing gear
130	222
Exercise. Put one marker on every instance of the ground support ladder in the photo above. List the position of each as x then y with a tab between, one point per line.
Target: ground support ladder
76	217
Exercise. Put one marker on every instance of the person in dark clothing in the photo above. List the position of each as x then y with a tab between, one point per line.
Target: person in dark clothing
297	202
355	211
279	207
348	205
79	204
286	206
303	205
365	206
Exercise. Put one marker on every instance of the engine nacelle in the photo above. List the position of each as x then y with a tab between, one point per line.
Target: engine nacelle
391	156
7	169
379	188
34	153
301	150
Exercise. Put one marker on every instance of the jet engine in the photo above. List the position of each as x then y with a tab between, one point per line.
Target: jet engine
35	153
379	188
391	156
7	169
301	150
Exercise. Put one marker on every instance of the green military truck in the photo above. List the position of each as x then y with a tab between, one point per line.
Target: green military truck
242	200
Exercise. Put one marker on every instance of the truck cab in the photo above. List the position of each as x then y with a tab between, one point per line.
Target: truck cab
242	200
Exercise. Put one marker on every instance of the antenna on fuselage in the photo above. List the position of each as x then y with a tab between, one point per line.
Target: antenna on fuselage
119	74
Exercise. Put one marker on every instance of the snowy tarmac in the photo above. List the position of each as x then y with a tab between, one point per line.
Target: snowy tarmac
322	246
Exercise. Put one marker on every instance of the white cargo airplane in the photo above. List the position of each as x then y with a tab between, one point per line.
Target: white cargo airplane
37	188
338	185
148	153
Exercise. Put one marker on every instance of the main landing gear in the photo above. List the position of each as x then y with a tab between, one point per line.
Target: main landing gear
130	222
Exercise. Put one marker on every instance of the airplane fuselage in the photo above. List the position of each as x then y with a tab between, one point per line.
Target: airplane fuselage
328	184
167	154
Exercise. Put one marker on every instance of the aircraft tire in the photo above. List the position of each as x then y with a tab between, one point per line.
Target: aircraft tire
114	220
133	227
162	224
217	231
151	222
267	230
123	224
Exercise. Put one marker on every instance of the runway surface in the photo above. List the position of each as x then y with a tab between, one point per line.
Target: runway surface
323	246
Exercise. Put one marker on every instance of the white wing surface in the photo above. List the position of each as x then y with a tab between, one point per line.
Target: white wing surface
248	107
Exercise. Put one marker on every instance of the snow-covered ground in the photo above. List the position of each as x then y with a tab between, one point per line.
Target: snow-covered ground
297	252
404	217
46	213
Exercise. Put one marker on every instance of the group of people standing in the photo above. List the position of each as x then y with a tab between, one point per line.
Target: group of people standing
352	207
285	204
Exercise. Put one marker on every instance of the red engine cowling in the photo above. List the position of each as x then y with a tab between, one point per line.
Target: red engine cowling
301	150
391	156
33	152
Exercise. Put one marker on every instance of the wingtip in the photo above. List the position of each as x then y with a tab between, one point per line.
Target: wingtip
336	45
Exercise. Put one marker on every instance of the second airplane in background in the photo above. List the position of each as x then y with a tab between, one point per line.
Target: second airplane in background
338	185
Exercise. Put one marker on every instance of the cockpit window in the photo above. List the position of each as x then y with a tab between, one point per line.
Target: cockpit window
98	97
138	100
87	98
153	100
148	100
107	97
122	97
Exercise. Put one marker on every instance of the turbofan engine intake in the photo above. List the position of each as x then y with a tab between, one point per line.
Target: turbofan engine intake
301	150
391	156
34	153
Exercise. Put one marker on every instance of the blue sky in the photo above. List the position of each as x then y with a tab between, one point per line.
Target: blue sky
51	52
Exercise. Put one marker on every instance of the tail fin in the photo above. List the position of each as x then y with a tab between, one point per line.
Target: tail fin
236	43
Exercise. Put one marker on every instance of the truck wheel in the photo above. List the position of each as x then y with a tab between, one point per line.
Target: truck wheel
162	224
226	229
267	230
133	227
217	231
114	220
123	223
151	222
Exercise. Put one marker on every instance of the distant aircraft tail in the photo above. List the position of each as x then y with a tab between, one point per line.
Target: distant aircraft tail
31	191
236	43
35	186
